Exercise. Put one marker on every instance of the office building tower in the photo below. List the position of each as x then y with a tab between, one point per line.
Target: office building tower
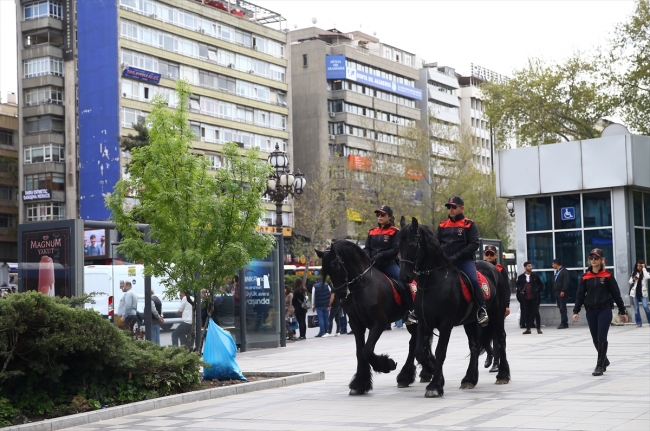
88	70
353	98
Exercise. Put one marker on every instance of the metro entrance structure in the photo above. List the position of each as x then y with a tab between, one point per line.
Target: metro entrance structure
571	197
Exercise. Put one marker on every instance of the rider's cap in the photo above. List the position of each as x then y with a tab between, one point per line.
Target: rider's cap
384	209
596	252
455	200
490	248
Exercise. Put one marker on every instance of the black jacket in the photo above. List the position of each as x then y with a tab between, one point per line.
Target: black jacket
298	299
381	245
563	281
506	280
458	237
597	291
537	284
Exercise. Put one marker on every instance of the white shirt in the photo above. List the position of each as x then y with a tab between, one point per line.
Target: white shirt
186	311
527	278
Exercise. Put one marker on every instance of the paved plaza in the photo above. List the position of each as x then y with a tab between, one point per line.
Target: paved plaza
551	389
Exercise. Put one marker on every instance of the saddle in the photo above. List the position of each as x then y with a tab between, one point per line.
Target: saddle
396	284
467	291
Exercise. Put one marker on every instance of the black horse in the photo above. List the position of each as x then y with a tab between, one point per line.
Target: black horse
439	303
367	298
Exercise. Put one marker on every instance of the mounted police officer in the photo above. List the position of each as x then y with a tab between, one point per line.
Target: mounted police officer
382	249
459	239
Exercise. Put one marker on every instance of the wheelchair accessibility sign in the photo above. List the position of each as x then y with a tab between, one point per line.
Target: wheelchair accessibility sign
568	213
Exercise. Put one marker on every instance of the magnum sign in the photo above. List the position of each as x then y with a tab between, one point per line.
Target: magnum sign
46	261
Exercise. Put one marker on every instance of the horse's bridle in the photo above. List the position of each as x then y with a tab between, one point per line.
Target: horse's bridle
415	260
349	282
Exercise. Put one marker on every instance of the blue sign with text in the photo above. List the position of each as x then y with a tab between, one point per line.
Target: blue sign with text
335	68
568	213
142	75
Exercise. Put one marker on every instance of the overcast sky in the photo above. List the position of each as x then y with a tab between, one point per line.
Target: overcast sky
498	35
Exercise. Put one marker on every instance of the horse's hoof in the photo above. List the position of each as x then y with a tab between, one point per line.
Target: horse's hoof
424	380
432	394
502	381
402	385
467	385
354	392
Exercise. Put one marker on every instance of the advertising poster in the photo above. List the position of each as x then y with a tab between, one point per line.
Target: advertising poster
95	243
46	261
263	295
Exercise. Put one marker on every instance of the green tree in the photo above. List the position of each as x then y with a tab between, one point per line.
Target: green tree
628	65
453	170
201	226
549	103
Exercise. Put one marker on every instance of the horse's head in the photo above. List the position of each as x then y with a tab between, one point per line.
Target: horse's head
342	262
410	251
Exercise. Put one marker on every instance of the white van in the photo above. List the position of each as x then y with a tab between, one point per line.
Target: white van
105	281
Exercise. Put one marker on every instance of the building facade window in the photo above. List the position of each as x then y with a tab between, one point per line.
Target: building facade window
214	162
42	66
46	180
41	95
44	124
45	211
44	153
567	227
131	117
43	9
188	20
6	137
8	221
7	193
172	43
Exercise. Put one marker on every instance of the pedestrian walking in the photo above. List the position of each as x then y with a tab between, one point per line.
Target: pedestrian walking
639	292
561	282
596	290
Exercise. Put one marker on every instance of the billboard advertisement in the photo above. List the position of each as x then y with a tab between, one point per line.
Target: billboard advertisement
48	258
335	68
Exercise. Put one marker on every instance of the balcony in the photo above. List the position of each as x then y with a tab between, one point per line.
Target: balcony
35	24
43	109
43	51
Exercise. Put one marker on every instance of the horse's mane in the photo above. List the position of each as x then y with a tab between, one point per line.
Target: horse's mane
433	246
351	254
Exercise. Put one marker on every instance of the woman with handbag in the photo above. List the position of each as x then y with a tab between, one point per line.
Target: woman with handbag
289	315
300	303
639	292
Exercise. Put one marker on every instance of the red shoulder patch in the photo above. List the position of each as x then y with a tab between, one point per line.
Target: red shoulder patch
601	274
499	267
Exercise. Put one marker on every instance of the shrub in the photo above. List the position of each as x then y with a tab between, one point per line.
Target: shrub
56	359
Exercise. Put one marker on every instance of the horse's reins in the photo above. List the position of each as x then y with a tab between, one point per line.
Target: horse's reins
354	280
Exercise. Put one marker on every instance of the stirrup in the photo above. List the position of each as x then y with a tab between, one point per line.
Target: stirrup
410	319
484	319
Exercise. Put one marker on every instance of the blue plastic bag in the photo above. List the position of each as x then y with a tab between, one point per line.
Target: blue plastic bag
219	353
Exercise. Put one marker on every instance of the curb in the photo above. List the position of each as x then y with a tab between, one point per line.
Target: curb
277	380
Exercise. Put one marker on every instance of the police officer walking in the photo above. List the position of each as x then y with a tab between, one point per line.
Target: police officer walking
459	239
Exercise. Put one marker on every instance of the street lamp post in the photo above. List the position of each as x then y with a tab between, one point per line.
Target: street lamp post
281	184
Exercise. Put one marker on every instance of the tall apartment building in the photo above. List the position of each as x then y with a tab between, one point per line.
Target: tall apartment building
89	68
353	96
8	179
440	108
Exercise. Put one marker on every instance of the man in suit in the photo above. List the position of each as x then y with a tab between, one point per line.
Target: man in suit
529	285
561	282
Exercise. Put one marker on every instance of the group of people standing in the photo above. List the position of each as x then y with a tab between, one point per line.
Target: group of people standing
325	304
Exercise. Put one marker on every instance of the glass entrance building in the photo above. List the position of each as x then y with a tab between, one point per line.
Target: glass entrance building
574	196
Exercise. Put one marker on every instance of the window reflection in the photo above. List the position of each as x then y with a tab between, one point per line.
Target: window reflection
540	249
568	248
638	208
538	214
597	209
